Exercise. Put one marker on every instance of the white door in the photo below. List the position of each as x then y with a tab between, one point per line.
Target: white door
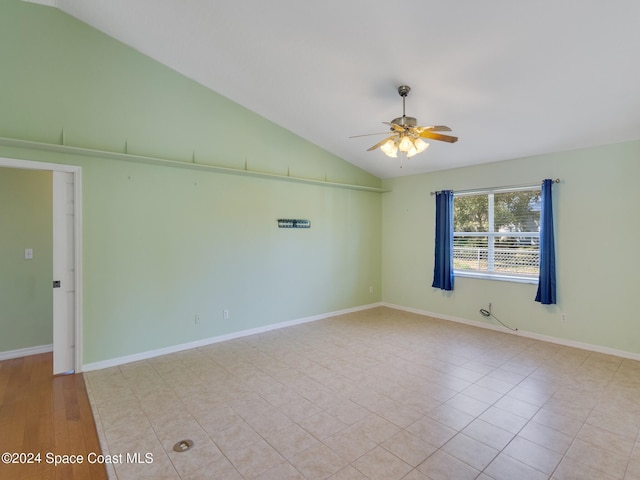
64	289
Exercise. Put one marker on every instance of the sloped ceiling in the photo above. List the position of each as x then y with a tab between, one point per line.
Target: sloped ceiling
511	78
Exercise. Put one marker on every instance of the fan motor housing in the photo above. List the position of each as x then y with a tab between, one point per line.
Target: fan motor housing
405	121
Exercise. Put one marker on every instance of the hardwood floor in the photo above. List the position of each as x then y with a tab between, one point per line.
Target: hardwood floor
45	415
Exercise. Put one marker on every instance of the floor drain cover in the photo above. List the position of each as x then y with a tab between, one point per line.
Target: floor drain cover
183	445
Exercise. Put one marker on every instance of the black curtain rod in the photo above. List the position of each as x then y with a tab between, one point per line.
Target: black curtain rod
504	187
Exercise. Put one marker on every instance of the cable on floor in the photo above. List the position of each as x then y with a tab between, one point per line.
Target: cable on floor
487	313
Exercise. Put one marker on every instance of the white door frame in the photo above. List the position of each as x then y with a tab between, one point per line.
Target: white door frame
77	220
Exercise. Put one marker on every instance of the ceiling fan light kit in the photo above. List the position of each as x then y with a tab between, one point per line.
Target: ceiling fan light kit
407	134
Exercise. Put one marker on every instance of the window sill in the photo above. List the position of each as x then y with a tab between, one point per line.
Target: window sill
493	276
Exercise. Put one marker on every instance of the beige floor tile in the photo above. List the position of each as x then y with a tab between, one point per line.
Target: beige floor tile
350	443
437	392
520	367
536	392
415	475
568	409
606	461
451	417
619	422
283	471
136	428
503	419
464	373
299	409
409	448
478	366
376	428
483	394
570	469
467	404
586	399
220	469
517	406
470	451
235	438
450	382
605	439
268	422
400	415
533	455
504	467
488	434
495	384
557	421
348	473
256	459
279	395
217	419
318	462
322	425
323	397
348	412
546	437
431	431
418	402
507	376
379	464
633	468
291	440
442	466
123	412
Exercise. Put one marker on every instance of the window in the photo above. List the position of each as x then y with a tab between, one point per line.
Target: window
497	233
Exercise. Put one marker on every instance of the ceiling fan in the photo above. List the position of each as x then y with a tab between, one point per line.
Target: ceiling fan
407	135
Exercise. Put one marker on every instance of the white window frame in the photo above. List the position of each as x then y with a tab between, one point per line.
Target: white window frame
492	234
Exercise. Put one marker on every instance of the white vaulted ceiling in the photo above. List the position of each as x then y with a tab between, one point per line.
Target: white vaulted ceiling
511	78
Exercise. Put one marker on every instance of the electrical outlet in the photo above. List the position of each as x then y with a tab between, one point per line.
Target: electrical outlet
371	289
563	317
225	314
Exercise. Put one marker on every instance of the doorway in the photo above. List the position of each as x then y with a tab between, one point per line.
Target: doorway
67	261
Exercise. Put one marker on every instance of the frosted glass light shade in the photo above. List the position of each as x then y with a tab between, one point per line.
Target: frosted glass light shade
389	148
405	144
420	145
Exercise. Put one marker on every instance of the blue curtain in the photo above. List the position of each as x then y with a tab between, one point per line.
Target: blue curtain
547	281
443	264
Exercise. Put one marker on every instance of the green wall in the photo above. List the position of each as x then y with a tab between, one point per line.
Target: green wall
596	246
164	244
26	315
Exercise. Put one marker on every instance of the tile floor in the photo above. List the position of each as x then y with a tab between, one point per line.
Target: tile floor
381	395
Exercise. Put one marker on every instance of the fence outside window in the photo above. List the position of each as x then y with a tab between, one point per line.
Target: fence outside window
505	260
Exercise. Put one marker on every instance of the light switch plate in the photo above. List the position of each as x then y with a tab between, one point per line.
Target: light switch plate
28	253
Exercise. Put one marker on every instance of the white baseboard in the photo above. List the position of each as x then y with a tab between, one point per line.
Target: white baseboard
113	362
532	335
25	352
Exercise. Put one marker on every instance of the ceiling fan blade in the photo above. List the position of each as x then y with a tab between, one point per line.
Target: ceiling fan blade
395	127
369	134
432	128
379	144
437	136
